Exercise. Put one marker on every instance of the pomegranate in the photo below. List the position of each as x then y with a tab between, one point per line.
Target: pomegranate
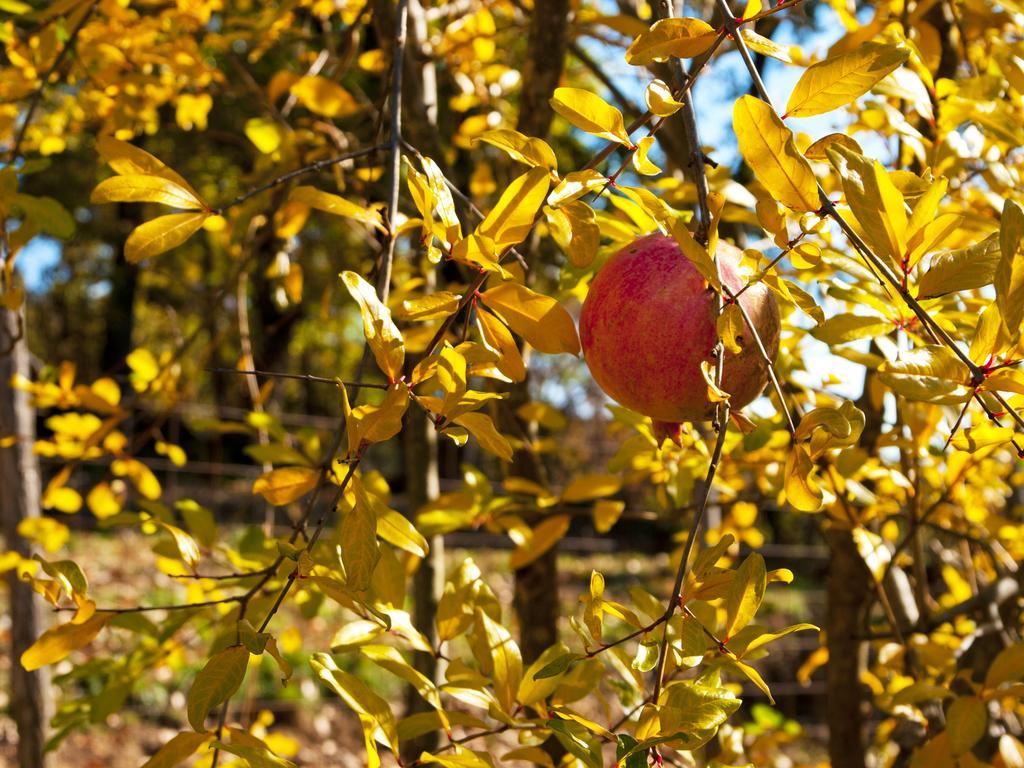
649	321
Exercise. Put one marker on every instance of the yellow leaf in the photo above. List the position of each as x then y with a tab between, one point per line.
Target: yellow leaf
188	549
715	393
841	79
1009	277
590	113
50	534
640	161
142	477
126	160
339	206
576	185
574	227
802	490
162	234
588	487
61	498
380	330
498	338
696	253
875	201
358	537
215	683
377	423
285	485
511	219
546	535
754	677
192	110
746	591
983	436
320	95
765	46
102	501
676	37
819	149
482	428
264	133
660	102
522	148
506	660
541	320
606	513
357	695
55	644
731	328
767	146
433	306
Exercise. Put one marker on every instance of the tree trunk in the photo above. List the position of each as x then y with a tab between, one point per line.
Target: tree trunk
31	705
847	592
419	443
536	586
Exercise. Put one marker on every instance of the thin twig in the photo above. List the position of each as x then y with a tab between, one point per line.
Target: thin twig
300	377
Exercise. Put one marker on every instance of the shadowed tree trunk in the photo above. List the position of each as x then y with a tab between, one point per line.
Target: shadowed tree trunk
30	704
847	592
536	586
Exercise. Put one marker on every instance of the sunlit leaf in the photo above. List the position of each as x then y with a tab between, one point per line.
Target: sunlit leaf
675	37
511	219
380	330
162	234
840	79
539	319
767	146
55	644
285	485
590	113
145	189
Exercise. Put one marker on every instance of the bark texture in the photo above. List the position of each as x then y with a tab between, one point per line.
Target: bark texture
31	703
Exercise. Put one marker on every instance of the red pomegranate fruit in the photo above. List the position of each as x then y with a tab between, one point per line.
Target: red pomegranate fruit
649	321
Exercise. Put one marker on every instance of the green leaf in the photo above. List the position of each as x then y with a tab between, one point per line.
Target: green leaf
556	666
180	747
216	683
47	214
767	146
841	79
966	722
